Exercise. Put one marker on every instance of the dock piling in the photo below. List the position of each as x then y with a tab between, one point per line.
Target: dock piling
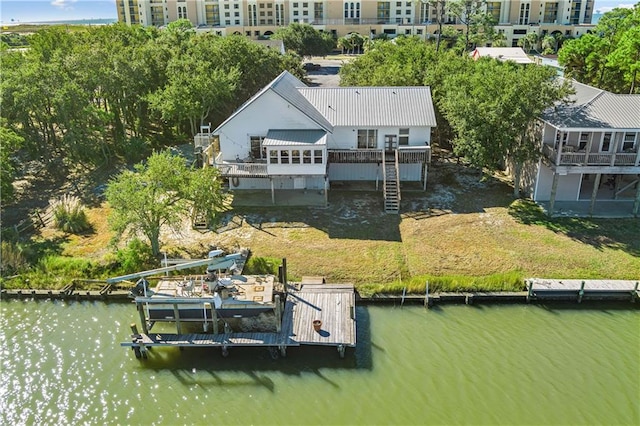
426	296
404	293
581	292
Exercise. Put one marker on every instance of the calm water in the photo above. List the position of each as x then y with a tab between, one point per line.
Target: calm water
62	364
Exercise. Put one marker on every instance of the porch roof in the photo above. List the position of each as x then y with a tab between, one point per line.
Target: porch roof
302	137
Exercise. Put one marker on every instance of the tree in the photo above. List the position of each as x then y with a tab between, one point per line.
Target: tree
10	142
598	59
529	42
494	107
161	193
305	40
471	13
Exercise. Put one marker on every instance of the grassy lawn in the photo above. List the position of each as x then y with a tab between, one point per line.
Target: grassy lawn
462	233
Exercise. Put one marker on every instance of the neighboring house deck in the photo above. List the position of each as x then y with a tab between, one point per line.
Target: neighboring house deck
591	151
293	137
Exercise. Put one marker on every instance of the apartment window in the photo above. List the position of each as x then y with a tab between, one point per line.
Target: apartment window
524	14
606	142
550	13
273	156
253	15
257	152
384	11
403	137
628	142
493	9
318	12
212	14
367	138
424	12
317	156
182	12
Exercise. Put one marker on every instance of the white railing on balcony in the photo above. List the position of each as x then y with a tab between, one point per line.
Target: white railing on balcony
355	156
242	169
414	154
592	159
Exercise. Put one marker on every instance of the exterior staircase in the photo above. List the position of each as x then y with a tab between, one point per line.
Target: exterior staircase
391	183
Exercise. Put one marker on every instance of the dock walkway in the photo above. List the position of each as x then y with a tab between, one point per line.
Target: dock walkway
550	289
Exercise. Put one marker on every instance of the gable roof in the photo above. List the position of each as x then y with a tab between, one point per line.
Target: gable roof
515	54
591	107
373	106
351	106
286	86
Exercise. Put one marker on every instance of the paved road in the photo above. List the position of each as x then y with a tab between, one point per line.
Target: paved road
327	75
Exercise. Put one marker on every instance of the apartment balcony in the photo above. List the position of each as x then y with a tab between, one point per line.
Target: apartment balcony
570	156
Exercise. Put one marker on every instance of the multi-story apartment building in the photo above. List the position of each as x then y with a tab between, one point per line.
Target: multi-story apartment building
259	18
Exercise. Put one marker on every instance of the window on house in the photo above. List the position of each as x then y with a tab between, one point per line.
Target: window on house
273	157
584	140
257	151
628	142
317	156
367	138
284	156
306	156
606	142
295	156
403	137
564	136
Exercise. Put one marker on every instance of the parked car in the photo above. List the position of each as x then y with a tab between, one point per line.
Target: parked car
308	66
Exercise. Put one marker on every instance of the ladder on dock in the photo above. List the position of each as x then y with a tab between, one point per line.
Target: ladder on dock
391	183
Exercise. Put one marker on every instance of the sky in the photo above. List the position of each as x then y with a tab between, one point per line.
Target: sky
58	10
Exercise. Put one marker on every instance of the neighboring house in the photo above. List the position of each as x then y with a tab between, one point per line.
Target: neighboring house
277	45
590	151
293	137
515	54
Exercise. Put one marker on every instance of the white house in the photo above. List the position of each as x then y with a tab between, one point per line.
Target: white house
590	150
515	54
293	137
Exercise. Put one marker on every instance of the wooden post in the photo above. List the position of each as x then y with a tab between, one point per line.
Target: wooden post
636	202
278	312
581	292
326	191
134	328
176	314
529	289
588	150
634	295
284	272
554	190
426	170
143	320
616	143
616	186
404	293
273	192
594	193
426	296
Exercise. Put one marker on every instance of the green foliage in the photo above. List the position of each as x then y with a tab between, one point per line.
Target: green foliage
262	266
69	215
68	267
137	256
12	258
160	193
14	39
10	143
305	40
608	57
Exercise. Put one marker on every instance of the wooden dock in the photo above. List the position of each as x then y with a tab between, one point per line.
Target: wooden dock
552	289
333	304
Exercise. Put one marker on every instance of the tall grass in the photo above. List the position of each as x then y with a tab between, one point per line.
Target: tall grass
69	215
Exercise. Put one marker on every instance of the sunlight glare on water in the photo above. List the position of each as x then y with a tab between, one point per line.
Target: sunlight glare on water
62	364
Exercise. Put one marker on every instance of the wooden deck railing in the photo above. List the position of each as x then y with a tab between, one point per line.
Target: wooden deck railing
355	156
414	154
592	159
242	169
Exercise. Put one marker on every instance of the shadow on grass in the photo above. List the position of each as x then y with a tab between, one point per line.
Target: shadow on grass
618	234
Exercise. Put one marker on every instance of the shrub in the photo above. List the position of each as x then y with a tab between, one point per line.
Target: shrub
69	215
137	256
12	258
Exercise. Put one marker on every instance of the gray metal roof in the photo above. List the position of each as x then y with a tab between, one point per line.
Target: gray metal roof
373	106
295	137
286	86
594	108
